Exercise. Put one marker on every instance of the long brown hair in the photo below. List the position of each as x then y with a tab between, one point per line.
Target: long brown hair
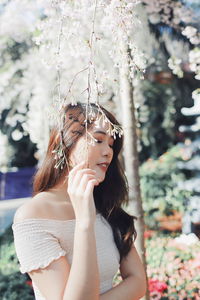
111	194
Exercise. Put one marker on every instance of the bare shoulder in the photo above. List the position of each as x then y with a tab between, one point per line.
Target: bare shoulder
36	207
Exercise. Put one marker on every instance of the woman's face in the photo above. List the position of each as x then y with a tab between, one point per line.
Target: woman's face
99	154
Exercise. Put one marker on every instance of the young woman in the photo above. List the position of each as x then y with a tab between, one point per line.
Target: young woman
73	235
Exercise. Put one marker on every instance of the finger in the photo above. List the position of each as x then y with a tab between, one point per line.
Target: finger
75	169
75	182
84	181
90	187
78	166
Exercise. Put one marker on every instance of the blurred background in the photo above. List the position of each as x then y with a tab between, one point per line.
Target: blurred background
167	101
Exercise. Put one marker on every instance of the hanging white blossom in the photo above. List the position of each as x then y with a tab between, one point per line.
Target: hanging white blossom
74	43
6	153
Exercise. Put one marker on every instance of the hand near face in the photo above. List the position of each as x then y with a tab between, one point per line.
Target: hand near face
99	154
81	182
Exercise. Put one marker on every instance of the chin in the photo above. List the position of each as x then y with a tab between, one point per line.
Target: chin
101	178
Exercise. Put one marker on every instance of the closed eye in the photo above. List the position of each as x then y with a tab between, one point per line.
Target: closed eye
99	142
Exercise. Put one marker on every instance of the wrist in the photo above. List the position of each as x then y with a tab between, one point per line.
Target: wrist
85	225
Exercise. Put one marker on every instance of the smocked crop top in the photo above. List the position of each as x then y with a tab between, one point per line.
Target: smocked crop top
40	241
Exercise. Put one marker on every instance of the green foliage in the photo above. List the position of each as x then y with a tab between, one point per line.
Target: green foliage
157	118
161	194
9	262
13	284
14	287
7	236
160	114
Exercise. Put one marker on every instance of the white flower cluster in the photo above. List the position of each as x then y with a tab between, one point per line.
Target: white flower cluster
194	60
6	153
175	14
192	34
174	64
187	239
196	95
70	54
168	12
71	43
195	109
93	28
18	19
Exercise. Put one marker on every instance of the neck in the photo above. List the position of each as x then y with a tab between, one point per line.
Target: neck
60	190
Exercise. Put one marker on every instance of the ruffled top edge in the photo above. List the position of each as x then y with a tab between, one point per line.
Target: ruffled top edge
42	265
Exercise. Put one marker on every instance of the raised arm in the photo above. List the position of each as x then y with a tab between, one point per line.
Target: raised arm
83	281
59	280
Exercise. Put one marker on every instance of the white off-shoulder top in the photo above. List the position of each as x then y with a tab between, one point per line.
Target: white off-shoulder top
40	241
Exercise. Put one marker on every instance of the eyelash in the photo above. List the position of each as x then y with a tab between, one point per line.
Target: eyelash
99	142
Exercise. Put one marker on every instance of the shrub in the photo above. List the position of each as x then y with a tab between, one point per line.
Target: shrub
173	267
15	286
161	194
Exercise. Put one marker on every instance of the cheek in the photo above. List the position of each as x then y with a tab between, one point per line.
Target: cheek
79	153
93	154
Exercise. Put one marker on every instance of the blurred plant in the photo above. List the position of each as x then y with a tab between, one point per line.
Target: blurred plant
156	286
159	185
196	95
194	59
41	58
158	118
9	262
14	287
173	13
174	65
173	268
13	284
192	34
178	26
6	153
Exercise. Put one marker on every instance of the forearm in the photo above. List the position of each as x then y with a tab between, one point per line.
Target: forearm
131	288
83	280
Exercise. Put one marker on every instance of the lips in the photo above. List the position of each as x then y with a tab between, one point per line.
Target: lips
103	166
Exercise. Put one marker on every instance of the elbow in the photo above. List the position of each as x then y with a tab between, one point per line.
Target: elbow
143	286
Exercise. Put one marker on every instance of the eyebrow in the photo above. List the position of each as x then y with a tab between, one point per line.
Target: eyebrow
102	132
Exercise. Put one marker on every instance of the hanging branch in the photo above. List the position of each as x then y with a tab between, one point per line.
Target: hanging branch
91	78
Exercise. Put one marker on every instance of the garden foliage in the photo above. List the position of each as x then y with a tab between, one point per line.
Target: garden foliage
161	193
13	284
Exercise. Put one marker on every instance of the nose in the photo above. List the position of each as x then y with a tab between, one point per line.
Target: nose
107	151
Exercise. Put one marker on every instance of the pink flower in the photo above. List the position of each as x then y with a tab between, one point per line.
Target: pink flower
29	282
157	286
148	234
